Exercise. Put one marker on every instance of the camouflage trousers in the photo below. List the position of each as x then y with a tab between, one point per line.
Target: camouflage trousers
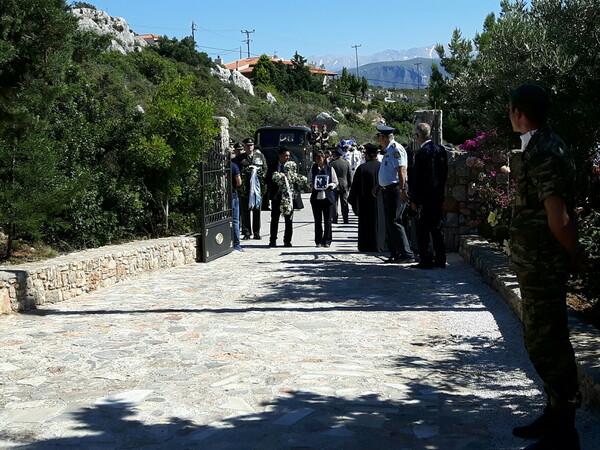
546	332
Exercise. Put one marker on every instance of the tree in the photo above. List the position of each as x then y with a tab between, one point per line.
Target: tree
264	72
364	86
35	52
180	129
183	50
556	45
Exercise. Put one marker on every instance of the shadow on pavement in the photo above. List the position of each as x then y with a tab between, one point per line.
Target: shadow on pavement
423	418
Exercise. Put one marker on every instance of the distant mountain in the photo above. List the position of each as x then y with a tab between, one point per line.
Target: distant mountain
336	63
410	74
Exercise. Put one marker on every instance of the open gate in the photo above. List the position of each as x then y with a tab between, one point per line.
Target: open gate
215	238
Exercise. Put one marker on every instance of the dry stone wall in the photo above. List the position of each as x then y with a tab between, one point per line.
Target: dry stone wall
26	286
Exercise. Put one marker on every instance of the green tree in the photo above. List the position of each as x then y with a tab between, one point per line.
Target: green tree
264	72
35	52
183	50
180	130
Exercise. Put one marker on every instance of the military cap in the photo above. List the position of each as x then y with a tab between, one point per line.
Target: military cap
339	151
238	146
248	141
371	149
384	129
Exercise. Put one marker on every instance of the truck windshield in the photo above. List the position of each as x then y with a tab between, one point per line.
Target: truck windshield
277	138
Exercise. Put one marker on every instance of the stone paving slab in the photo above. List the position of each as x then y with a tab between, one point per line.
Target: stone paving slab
282	348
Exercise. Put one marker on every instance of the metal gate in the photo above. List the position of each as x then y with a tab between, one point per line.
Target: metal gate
215	238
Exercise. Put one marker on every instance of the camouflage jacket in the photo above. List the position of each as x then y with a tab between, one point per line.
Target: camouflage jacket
548	169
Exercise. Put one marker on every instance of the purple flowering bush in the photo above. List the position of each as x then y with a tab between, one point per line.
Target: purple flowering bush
493	189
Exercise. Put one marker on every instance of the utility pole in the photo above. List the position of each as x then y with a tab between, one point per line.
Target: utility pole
418	75
355	47
194	32
247	40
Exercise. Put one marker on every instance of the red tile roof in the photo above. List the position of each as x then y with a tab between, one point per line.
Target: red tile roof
246	65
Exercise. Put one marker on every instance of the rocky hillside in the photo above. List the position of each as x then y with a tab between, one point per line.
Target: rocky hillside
99	22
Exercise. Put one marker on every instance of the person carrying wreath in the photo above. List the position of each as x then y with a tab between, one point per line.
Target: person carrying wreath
285	184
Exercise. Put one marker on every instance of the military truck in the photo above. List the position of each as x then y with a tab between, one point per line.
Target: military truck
294	138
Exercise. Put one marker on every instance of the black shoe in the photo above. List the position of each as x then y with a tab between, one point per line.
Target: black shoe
392	260
422	266
272	244
287	244
558	438
404	258
258	237
439	265
246	237
536	429
318	245
326	245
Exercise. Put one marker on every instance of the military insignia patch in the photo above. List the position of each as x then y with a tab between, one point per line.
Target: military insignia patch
396	154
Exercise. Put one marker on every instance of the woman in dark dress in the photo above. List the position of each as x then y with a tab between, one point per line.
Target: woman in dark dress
322	181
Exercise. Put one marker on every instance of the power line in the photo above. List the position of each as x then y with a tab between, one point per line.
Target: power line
247	40
193	32
355	47
418	74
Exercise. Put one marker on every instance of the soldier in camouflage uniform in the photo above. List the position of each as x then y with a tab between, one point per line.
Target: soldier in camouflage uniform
544	248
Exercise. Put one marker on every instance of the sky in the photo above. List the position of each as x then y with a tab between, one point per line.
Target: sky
309	27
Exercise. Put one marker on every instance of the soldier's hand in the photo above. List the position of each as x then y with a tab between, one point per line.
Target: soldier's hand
580	262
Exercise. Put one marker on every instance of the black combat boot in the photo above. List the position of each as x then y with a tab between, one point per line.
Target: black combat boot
556	428
536	429
558	439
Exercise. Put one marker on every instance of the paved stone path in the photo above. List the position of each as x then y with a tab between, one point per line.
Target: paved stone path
284	348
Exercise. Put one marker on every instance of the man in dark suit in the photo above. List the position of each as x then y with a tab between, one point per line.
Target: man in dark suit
427	197
276	194
342	170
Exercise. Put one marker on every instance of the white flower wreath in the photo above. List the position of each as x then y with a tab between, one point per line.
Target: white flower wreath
289	182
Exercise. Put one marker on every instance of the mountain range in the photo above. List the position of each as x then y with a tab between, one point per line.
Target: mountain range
408	69
336	63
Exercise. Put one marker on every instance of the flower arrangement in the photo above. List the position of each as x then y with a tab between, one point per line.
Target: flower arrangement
246	171
289	183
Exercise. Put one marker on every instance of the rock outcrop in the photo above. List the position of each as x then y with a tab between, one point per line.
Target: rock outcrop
100	22
325	119
234	77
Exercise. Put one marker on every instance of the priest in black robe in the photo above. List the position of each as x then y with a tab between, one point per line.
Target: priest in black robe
371	217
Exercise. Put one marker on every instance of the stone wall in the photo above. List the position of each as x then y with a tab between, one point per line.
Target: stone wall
462	211
26	286
459	210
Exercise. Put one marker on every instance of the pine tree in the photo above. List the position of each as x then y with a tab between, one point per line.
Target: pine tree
35	52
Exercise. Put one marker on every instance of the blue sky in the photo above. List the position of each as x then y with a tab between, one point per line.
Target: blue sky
309	27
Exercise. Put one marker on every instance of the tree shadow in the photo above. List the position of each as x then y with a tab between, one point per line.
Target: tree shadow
420	417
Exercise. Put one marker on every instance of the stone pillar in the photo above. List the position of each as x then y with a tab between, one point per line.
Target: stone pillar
433	117
223	138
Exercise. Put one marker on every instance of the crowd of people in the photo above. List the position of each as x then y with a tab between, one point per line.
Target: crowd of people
382	183
371	181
